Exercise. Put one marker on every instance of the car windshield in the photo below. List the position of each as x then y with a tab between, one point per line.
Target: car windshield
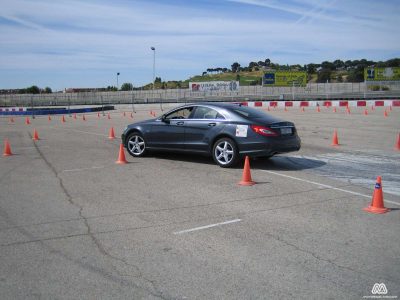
248	113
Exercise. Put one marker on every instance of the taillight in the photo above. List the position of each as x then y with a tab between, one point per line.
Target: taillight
265	131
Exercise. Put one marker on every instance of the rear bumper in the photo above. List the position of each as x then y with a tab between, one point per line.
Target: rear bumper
270	147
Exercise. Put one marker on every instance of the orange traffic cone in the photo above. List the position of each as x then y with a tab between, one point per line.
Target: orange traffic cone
348	110
390	108
334	109
98	115
385	114
111	135
397	146
11	120
27	121
35	135
83	118
75	116
366	112
7	149
372	107
318	109
285	109
377	206
246	177
302	109
63	119
121	157
132	115
151	112
109	117
335	140
49	118
124	114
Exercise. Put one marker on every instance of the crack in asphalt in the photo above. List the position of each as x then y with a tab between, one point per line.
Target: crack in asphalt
102	250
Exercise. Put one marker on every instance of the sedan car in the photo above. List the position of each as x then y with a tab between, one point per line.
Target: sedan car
225	131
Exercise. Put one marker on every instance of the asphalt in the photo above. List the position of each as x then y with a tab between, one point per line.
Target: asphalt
75	225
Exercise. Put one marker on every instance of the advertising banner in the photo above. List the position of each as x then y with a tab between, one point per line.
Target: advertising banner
382	74
285	78
218	86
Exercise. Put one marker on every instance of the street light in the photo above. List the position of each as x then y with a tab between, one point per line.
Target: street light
117	81
154	72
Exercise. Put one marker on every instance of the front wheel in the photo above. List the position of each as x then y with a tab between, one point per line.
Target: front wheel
225	152
135	144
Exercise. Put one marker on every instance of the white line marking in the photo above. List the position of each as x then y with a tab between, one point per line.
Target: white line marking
327	186
208	226
82	169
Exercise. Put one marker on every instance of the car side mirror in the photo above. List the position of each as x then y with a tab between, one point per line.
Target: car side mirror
164	119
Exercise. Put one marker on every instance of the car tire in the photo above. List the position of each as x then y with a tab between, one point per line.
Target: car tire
225	152
136	144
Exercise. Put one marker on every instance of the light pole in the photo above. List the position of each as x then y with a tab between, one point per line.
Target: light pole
154	72
117	81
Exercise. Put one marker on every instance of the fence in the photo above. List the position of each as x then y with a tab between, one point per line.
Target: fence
312	91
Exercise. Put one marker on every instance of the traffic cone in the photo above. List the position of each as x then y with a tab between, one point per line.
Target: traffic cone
35	135
390	108
75	116
49	118
366	112
27	121
131	115
7	149
377	206
285	109
121	157
108	116
11	120
334	109
397	146
124	114
385	114
111	135
318	109
151	112
348	110
83	118
98	115
335	140
268	108
372	107
302	109
63	119
246	177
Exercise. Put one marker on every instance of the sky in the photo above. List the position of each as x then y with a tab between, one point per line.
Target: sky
85	43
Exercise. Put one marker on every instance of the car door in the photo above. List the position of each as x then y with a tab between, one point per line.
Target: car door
203	124
169	132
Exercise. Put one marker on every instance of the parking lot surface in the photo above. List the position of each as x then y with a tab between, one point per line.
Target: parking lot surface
75	225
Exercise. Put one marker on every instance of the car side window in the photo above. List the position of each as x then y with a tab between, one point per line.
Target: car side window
183	113
206	113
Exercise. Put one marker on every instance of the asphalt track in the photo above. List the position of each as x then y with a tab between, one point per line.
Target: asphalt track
75	225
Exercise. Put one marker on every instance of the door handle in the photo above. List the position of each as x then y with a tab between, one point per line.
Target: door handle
180	123
211	124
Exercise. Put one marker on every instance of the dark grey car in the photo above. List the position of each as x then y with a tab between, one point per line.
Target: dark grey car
224	131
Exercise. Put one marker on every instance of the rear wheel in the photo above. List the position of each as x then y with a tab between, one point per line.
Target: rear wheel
135	144
225	152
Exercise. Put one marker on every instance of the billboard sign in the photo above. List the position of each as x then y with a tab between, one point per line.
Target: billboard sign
382	74
218	86
285	78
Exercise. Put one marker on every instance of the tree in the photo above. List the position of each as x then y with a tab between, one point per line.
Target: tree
127	86
112	88
48	90
157	80
267	62
324	75
33	90
235	67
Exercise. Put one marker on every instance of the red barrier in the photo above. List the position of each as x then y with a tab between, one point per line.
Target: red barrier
343	103
304	103
327	103
245	103
273	103
379	103
361	103
396	103
258	104
288	103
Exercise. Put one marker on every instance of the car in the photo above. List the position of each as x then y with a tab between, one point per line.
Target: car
226	131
